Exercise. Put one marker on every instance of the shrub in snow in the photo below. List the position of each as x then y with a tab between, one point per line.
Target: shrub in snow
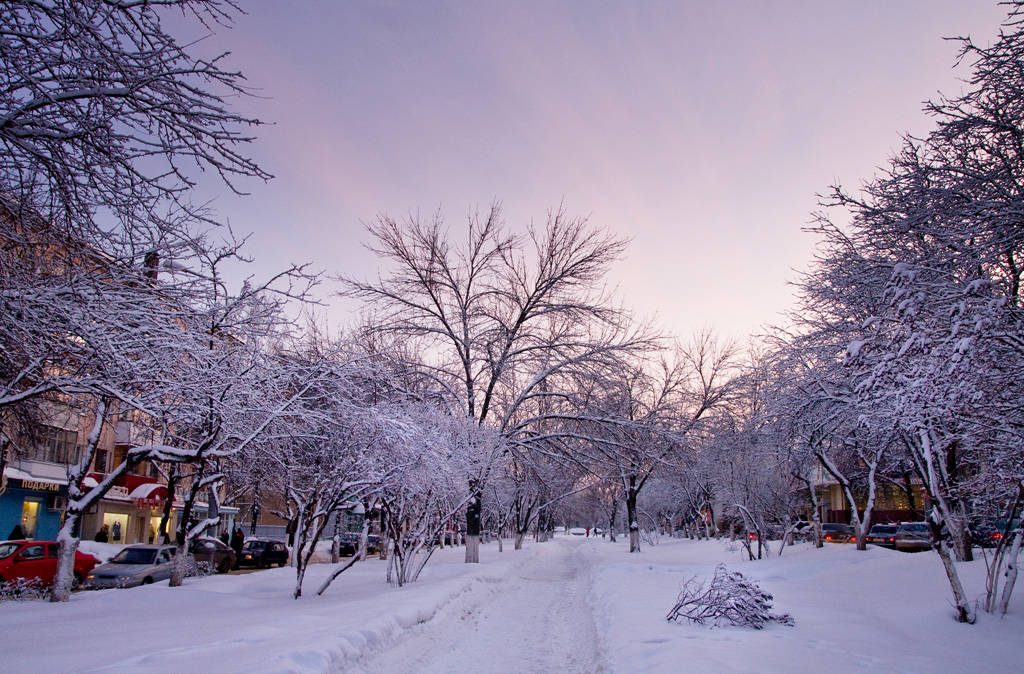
22	589
730	599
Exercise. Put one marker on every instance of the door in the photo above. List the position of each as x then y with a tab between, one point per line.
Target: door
32	563
29	518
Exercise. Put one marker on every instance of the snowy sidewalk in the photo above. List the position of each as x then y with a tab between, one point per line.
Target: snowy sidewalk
537	620
240	623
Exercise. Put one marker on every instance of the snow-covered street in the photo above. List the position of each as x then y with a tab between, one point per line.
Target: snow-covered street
569	605
536	620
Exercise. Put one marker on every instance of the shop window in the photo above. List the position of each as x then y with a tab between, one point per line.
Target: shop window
116	525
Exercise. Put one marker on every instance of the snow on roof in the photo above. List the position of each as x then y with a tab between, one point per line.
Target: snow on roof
17	474
146	490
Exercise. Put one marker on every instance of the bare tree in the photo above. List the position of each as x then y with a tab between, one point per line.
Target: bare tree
494	319
104	116
641	414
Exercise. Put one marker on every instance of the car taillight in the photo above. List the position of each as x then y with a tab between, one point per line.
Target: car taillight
828	538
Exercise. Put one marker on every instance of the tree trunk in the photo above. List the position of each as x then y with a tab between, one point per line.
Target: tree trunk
1011	573
179	567
165	516
473	524
70	531
611	520
631	517
67	544
963	608
908	487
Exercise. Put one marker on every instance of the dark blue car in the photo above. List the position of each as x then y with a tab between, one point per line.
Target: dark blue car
262	552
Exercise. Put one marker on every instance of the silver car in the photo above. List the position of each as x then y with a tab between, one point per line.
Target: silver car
913	537
135	565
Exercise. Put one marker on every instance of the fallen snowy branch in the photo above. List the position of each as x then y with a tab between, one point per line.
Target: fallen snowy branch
730	599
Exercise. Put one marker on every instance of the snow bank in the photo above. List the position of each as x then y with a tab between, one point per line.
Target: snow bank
879	611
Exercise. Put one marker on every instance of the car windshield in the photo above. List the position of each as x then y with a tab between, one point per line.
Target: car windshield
254	546
882	529
135	556
8	549
915	528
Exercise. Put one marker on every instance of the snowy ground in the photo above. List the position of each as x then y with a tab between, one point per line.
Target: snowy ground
572	605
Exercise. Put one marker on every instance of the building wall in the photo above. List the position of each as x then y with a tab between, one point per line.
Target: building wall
32	508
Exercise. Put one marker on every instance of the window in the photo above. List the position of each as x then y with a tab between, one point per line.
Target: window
120	454
31	552
57	445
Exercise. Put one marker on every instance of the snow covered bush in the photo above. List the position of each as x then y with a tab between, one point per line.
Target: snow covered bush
730	599
22	589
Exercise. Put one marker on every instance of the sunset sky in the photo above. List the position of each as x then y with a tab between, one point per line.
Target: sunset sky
701	130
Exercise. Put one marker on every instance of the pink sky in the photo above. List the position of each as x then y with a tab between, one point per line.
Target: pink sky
701	130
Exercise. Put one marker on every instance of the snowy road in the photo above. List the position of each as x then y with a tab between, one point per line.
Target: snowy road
536	621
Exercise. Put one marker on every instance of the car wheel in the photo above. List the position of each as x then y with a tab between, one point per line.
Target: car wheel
282	562
147	580
261	563
225	566
76	581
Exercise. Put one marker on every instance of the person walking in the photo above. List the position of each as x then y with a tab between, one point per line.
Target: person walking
237	541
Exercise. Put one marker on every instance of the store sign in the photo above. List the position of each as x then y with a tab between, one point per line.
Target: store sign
36	485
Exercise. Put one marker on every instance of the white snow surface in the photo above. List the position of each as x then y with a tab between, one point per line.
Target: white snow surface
570	605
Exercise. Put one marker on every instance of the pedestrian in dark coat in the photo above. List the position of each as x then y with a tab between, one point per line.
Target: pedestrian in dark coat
237	541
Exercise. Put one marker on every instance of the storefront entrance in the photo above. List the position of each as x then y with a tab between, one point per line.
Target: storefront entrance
29	518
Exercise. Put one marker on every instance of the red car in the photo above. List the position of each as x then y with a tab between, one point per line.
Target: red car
35	563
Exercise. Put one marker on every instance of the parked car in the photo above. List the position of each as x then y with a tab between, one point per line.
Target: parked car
913	537
134	565
987	533
211	554
350	543
802	530
834	532
262	552
32	563
883	535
